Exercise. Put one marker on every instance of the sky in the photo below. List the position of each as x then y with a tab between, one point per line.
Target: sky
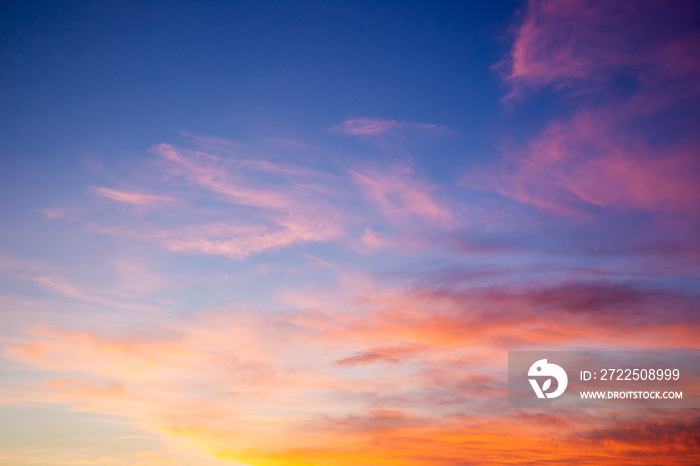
308	233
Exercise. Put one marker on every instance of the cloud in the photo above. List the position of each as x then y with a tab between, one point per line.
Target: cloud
240	204
591	161
220	176
131	197
564	312
238	242
629	69
377	127
356	371
666	436
371	241
267	205
585	44
400	194
382	354
54	214
131	281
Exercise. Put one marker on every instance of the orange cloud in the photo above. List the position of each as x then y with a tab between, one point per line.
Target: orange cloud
411	376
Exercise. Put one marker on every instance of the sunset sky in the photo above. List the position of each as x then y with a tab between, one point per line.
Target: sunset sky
308	233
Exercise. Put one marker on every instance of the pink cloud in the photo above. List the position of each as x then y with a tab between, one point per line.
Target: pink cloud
399	193
584	43
605	154
375	127
589	161
371	241
215	174
54	214
131	197
238	242
285	204
261	204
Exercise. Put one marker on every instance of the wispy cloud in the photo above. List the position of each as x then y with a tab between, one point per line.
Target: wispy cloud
238	242
278	204
400	193
54	214
132	281
264	205
131	197
377	127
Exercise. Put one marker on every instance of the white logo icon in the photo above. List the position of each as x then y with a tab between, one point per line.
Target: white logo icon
543	369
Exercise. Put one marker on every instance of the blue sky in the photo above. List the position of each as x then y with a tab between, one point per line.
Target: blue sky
112	70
